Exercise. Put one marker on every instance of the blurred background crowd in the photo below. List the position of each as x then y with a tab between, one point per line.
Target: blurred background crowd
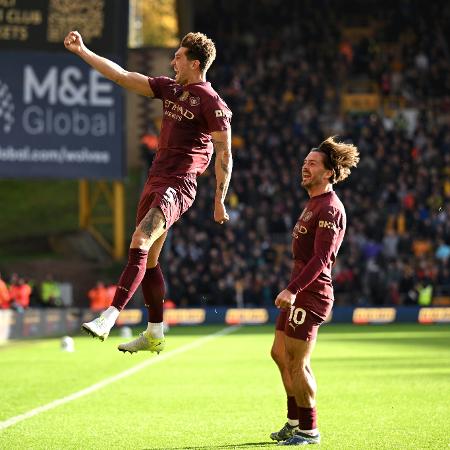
376	74
286	84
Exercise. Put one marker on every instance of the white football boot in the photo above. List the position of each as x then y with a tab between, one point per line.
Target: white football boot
101	326
144	343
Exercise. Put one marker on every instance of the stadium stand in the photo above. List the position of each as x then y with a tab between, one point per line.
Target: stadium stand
379	77
384	84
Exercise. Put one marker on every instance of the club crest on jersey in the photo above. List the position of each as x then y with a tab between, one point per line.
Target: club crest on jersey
306	215
194	101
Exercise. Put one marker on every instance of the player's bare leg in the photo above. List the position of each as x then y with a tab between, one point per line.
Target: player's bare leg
298	355
151	228
278	354
155	251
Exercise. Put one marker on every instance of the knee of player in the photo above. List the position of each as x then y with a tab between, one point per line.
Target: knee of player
277	356
299	369
140	240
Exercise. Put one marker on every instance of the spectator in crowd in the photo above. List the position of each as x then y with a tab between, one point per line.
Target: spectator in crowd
5	296
20	292
99	297
50	292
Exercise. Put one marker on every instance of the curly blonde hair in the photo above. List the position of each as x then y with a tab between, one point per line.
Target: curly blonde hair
199	47
339	157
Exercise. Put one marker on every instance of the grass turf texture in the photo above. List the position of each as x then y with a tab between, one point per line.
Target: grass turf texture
380	387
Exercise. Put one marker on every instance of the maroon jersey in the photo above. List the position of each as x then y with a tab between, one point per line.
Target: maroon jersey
191	113
317	237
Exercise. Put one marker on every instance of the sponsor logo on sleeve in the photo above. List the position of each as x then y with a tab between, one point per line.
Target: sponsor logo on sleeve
326	224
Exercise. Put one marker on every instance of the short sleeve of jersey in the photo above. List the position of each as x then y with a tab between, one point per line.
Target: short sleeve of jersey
158	85
217	115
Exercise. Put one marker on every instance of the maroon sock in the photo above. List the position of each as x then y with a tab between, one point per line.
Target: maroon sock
307	418
292	408
154	290
131	277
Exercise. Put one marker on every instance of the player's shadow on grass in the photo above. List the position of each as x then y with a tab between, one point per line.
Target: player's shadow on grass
227	446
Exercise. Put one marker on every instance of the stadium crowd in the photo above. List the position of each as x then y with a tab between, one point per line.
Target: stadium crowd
284	83
284	76
19	293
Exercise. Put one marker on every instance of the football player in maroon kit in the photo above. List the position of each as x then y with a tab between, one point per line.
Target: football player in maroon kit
195	121
308	298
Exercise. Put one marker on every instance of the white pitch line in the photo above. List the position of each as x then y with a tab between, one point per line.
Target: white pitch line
101	384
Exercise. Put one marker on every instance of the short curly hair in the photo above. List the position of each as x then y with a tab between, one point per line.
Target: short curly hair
199	47
339	157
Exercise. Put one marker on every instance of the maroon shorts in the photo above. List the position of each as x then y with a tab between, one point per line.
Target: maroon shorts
173	195
300	322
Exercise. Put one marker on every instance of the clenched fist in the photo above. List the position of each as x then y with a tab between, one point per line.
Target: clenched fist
220	213
74	42
285	299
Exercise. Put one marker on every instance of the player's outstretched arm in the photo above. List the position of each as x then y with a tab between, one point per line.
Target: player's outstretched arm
223	167
132	81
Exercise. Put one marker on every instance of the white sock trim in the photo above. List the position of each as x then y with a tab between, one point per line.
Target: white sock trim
293	422
155	330
111	314
310	432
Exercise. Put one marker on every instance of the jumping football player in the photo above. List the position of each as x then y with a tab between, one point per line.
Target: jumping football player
195	121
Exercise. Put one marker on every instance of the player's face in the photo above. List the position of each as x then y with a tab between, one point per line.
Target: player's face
182	66
314	172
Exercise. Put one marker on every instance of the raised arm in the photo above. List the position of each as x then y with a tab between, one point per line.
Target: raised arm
132	81
223	167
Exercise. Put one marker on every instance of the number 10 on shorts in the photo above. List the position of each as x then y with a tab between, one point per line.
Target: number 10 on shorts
297	315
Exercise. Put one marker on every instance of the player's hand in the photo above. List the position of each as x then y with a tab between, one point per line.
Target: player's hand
220	213
285	299
74	42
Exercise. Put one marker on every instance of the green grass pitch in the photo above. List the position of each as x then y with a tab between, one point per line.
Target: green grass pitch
380	387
